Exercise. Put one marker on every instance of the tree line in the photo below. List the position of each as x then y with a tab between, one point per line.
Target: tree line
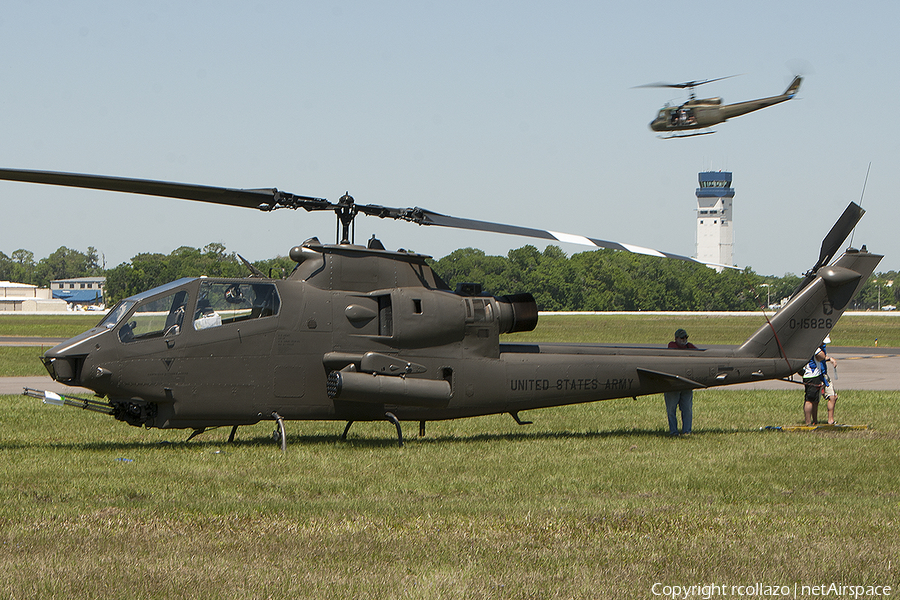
606	280
600	280
65	263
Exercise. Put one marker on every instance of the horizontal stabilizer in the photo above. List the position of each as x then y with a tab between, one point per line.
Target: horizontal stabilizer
670	381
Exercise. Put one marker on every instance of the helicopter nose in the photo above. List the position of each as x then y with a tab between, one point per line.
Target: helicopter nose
65	361
60	368
79	369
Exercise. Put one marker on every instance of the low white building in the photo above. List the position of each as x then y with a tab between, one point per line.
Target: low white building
22	297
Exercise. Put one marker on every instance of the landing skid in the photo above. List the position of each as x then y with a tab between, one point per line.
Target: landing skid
684	135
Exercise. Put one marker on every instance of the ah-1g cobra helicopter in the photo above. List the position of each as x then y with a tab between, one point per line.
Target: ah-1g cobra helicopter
706	112
365	334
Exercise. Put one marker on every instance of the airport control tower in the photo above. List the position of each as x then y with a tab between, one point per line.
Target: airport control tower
715	236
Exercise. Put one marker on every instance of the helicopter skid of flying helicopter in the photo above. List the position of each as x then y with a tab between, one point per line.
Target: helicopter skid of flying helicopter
686	120
360	333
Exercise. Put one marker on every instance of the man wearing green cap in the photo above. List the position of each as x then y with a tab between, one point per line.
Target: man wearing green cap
682	400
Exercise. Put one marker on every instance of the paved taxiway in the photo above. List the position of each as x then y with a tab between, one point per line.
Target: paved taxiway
857	369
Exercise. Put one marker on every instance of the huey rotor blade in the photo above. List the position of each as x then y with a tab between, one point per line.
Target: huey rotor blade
686	84
267	198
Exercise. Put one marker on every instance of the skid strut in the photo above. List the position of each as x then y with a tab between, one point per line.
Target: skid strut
279	431
393	419
195	433
515	416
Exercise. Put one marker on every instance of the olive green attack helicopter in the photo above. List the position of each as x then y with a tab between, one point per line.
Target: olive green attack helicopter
703	113
361	333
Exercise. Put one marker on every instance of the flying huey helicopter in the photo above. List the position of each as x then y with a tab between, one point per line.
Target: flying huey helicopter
703	113
360	333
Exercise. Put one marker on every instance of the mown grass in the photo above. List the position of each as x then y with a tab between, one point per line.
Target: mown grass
591	501
22	361
654	328
64	326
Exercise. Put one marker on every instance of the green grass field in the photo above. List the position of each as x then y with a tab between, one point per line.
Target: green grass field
56	326
651	328
22	361
591	501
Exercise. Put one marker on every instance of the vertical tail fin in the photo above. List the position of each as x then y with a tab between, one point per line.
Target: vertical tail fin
794	87
800	326
821	298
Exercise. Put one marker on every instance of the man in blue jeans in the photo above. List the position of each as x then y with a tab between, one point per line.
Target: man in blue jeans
682	400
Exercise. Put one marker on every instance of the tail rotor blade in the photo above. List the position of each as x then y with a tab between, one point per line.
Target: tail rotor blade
833	241
841	230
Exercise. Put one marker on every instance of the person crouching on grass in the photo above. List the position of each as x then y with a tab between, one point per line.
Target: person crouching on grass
815	383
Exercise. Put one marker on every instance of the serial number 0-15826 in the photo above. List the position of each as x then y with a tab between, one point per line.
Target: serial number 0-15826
811	323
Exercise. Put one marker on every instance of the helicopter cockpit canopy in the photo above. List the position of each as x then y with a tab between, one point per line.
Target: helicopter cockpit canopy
161	316
160	312
118	312
224	302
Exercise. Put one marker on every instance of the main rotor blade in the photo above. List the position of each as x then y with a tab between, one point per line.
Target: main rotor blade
427	217
686	84
261	198
270	199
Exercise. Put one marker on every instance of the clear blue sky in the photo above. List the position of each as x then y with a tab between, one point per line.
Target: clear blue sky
509	111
